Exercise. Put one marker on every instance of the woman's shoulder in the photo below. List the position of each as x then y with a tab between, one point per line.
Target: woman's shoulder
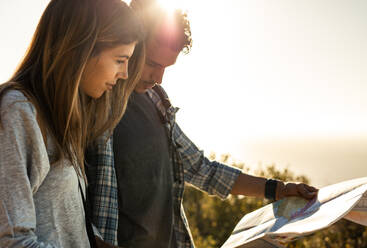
12	96
13	100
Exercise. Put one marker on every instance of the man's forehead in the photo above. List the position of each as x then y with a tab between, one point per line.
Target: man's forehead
160	53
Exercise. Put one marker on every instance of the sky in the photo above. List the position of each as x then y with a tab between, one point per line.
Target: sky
279	82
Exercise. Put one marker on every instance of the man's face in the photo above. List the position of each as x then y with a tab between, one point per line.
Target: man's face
158	57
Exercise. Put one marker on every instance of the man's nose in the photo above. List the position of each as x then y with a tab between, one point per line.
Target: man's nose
157	75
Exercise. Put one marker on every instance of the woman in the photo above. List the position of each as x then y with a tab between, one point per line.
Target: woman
71	87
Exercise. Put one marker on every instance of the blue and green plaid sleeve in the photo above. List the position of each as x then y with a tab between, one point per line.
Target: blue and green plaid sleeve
210	176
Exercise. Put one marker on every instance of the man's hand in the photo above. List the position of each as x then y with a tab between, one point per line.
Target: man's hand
295	189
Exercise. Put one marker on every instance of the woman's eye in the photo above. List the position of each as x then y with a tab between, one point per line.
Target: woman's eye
120	62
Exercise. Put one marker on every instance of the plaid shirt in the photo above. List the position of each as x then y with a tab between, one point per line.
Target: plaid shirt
189	165
102	188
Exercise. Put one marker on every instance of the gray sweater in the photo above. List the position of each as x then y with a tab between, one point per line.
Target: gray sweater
40	204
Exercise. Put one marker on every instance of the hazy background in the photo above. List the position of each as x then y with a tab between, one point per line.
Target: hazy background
279	82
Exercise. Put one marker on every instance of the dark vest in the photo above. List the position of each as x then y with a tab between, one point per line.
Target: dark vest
144	177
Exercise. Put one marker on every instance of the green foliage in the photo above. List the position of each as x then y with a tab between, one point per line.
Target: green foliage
212	220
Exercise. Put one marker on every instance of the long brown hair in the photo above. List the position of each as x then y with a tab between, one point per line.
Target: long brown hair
68	34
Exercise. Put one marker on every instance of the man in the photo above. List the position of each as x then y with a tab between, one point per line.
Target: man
153	158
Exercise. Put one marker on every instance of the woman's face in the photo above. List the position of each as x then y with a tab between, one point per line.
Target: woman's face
102	71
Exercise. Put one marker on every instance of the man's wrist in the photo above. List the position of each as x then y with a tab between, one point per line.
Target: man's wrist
280	190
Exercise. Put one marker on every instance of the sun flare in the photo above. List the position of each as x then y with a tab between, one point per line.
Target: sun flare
168	5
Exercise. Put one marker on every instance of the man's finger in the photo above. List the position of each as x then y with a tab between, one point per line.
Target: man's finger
310	188
306	191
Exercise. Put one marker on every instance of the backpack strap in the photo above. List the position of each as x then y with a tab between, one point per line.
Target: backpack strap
88	222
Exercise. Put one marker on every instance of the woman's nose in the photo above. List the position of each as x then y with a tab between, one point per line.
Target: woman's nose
123	74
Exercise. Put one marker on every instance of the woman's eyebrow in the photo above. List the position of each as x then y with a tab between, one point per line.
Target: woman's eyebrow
123	56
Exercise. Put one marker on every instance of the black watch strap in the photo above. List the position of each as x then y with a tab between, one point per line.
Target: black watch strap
271	189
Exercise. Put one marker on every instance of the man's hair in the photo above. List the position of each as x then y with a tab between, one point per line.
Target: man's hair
168	28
